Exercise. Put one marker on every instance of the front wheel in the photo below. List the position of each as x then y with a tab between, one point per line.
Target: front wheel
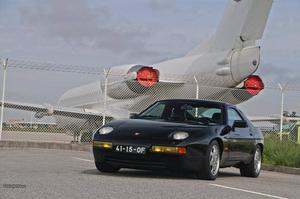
107	168
253	168
211	163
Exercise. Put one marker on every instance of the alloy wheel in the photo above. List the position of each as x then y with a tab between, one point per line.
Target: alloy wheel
257	160
214	160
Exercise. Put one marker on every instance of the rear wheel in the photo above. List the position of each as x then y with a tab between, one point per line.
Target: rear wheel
253	168
104	167
211	163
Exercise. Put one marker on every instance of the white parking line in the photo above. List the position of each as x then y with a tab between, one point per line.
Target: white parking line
86	160
247	191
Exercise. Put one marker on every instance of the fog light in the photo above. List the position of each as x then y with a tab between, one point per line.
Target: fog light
106	145
167	149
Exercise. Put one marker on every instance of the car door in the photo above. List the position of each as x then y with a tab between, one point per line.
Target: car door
240	140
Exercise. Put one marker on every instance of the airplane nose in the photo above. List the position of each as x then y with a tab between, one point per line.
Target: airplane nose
244	63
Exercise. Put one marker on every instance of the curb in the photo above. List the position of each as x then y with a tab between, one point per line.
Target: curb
281	169
46	145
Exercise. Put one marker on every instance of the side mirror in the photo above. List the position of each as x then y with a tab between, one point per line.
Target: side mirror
133	115
239	124
225	130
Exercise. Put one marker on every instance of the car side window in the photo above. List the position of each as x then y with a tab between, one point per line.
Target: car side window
156	111
232	116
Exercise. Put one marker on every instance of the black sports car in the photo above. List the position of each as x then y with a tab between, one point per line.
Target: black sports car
181	135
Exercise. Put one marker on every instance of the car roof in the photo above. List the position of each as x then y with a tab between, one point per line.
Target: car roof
196	100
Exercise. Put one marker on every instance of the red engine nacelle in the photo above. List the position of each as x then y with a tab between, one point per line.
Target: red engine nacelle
140	79
143	78
253	84
147	76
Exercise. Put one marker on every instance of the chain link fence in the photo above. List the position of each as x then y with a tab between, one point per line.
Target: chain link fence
62	103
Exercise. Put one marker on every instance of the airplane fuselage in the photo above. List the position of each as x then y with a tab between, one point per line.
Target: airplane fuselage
221	69
206	76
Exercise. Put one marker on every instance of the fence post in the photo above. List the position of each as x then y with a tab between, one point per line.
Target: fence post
105	96
4	63
282	89
197	87
197	93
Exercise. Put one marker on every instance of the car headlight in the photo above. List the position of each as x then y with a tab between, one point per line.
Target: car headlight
180	135
106	130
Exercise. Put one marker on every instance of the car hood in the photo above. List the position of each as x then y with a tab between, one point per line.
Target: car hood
149	129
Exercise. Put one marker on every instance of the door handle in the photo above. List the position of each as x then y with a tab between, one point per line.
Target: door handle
251	134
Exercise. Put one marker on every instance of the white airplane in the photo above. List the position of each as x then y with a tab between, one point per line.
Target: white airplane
227	60
274	119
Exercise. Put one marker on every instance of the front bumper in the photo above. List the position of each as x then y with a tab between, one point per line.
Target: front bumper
150	160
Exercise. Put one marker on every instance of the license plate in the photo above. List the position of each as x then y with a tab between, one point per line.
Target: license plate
131	149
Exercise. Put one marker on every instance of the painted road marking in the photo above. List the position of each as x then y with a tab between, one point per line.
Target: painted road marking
86	160
247	191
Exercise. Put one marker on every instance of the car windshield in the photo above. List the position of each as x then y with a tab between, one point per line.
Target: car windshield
204	113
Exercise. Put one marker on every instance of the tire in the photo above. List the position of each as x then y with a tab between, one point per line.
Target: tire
211	164
253	168
106	168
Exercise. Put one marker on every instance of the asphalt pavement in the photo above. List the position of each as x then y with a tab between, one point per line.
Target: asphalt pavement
42	173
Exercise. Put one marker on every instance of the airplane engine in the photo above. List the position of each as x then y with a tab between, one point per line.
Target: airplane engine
140	79
253	85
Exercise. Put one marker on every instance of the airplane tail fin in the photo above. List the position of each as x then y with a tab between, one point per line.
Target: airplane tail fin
243	23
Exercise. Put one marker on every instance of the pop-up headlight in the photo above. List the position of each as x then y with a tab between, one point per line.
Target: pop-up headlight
105	130
180	135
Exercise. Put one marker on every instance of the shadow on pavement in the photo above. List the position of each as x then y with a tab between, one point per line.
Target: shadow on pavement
227	174
156	174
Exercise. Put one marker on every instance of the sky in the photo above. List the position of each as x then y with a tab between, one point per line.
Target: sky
112	32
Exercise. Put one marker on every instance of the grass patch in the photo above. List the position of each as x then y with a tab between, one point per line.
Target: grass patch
283	153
